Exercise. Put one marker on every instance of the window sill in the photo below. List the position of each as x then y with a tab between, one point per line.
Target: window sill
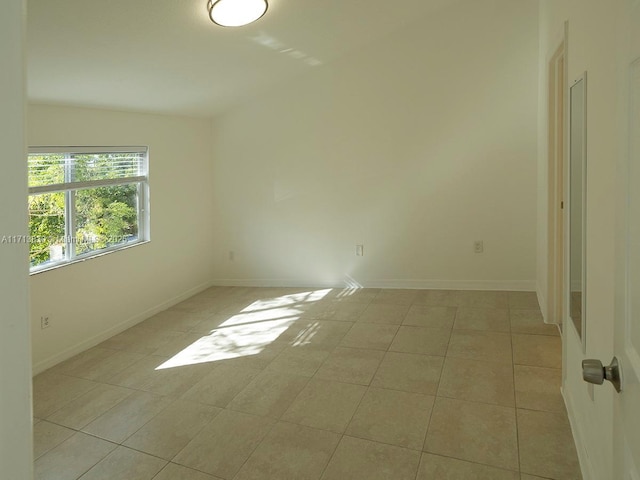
83	259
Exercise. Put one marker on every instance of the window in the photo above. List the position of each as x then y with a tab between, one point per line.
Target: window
85	201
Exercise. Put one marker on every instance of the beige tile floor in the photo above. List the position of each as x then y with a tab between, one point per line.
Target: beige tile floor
297	384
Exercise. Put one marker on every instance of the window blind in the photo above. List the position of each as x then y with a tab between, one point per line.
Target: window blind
53	170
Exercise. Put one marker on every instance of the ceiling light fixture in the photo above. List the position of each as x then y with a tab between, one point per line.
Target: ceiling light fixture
236	13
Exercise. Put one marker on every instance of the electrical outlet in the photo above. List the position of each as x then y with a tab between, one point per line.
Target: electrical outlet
478	246
45	322
359	250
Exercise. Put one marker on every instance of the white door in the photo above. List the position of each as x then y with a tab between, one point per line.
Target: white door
627	316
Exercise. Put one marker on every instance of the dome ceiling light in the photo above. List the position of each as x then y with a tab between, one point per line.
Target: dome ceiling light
236	13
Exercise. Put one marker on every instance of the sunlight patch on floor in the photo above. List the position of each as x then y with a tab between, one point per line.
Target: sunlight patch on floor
230	342
305	336
300	299
250	331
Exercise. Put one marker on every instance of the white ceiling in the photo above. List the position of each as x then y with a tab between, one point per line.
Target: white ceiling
167	56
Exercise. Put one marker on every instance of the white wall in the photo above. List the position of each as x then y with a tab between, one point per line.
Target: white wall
92	300
592	47
415	147
15	358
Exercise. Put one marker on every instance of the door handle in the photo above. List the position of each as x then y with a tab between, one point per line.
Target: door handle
594	372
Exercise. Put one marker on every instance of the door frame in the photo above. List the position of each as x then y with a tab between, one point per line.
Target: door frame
626	462
557	113
625	465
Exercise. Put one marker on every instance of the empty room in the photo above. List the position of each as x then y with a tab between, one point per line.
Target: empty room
340	240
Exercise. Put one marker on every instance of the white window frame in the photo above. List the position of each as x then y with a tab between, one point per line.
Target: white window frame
69	188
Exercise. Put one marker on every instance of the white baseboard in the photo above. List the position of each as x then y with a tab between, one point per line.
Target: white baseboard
495	285
516	285
509	285
274	282
120	327
542	301
586	467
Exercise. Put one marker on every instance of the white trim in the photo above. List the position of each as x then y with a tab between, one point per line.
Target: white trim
88	256
580	284
586	467
542	301
634	472
497	285
516	285
554	290
98	149
120	327
63	187
276	282
69	188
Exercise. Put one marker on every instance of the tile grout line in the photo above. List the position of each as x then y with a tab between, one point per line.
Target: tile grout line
446	355
271	427
279	418
262	370
334	347
342	435
475	463
515	401
368	387
172	400
435	398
